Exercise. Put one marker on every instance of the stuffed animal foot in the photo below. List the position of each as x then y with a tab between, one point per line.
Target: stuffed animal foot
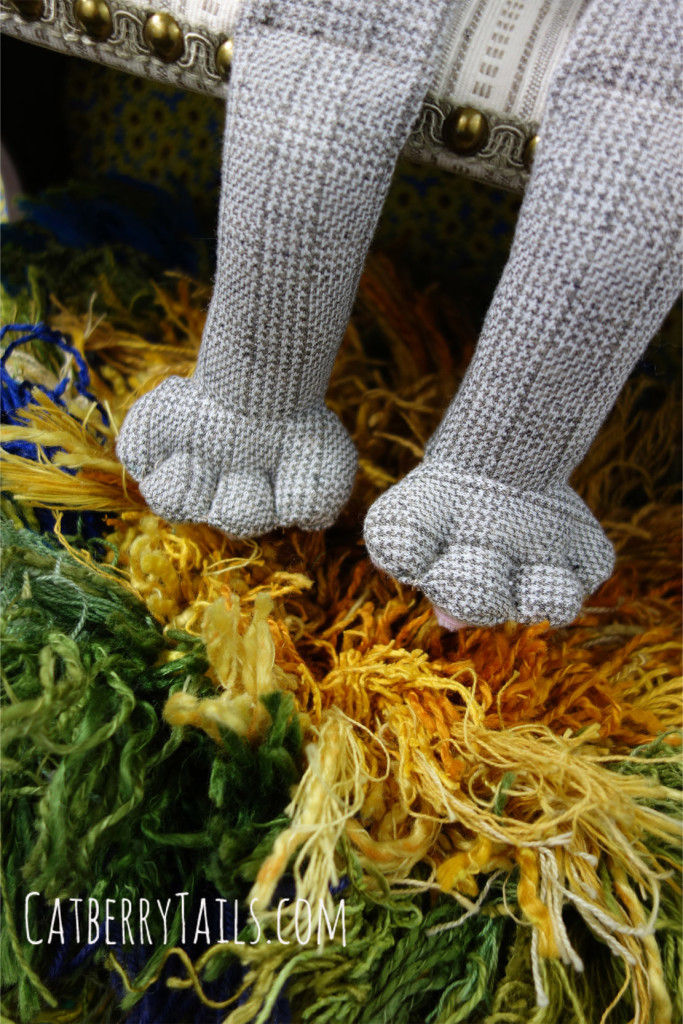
197	460
487	527
483	551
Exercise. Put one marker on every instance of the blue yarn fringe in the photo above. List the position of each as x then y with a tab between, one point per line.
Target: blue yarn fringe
17	395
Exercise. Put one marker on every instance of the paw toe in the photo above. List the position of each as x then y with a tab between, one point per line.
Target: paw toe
471	584
592	559
401	536
147	438
314	477
547	592
243	505
180	489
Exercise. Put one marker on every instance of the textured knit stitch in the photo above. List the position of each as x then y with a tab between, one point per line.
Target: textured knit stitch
321	101
487	526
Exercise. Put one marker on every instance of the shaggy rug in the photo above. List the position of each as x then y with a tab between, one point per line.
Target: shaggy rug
255	781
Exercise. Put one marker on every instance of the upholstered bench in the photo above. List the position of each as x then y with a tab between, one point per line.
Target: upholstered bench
482	115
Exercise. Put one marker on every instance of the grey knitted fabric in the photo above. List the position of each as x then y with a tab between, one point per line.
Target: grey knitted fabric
487	526
321	100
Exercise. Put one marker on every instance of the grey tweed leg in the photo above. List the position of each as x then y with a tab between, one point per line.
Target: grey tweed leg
322	96
487	526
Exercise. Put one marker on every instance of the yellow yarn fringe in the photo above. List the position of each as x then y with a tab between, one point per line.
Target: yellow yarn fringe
244	668
415	791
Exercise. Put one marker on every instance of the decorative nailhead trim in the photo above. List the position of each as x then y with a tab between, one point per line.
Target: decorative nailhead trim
164	36
224	58
501	162
125	48
28	10
504	161
94	17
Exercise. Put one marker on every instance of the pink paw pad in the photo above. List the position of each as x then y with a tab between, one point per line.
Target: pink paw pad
447	621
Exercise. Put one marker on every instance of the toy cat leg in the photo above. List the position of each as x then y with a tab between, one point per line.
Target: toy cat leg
321	100
487	526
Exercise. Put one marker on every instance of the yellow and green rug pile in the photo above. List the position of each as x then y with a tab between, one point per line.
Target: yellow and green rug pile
490	818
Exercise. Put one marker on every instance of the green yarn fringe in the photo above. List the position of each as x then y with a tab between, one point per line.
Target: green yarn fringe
87	760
